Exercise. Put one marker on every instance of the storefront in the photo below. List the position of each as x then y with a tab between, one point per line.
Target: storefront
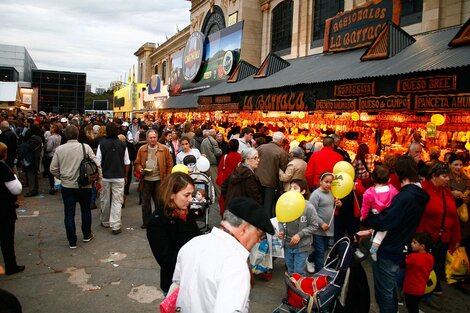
386	95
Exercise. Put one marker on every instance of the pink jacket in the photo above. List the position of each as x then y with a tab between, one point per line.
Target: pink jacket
377	199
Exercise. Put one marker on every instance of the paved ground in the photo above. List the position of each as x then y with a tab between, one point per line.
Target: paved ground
113	273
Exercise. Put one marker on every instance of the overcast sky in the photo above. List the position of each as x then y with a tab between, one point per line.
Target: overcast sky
96	37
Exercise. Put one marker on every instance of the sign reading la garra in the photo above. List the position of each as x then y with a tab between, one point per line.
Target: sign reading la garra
358	27
275	102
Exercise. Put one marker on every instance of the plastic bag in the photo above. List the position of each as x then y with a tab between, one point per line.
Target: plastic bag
168	305
457	266
462	211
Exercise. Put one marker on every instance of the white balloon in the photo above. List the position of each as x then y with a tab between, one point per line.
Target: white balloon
203	164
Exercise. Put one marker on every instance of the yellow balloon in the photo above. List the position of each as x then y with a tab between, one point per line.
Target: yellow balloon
342	185
431	284
180	168
290	206
343	166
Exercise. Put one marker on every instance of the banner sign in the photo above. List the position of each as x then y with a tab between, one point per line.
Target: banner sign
358	89
289	101
336	105
451	101
390	103
194	69
359	26
427	84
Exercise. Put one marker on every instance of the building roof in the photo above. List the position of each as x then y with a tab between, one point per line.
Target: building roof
8	91
182	102
430	52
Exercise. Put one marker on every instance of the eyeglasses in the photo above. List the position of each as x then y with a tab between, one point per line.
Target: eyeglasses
256	158
261	234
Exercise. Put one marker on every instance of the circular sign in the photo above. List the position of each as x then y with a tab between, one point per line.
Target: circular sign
193	55
228	61
355	116
438	119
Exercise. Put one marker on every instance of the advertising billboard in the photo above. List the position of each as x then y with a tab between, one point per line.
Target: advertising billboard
195	69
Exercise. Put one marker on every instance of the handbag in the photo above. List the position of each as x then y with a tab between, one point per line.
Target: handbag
221	176
457	266
168	305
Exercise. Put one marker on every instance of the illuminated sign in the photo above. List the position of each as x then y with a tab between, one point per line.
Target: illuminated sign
193	55
358	89
276	102
359	27
336	105
391	103
451	101
426	84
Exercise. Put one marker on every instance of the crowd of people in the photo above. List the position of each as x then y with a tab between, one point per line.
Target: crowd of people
403	200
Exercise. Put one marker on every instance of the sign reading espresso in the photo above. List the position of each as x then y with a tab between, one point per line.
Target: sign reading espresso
351	90
359	26
392	103
452	101
275	102
426	84
336	105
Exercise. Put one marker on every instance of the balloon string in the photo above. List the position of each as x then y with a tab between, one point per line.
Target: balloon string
332	215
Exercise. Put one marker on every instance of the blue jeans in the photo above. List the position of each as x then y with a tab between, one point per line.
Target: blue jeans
71	196
320	245
295	260
385	284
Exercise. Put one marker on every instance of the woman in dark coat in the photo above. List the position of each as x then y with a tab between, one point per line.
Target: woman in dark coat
10	187
243	181
171	226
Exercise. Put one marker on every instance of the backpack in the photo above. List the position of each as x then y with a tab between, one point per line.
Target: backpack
88	170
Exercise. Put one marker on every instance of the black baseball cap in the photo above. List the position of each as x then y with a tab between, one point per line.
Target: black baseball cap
250	211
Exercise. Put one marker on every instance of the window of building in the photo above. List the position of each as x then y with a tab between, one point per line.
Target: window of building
323	10
156	70
163	76
281	34
214	21
411	12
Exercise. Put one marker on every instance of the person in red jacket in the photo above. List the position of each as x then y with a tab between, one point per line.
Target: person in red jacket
419	265
440	219
227	164
320	162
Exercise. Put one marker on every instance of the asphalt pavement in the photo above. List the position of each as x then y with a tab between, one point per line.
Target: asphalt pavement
116	273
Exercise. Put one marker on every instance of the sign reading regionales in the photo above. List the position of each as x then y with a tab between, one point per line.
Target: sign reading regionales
359	26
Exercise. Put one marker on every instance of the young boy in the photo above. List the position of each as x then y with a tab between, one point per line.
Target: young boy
419	264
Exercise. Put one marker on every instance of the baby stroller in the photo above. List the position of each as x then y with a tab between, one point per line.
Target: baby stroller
326	285
200	207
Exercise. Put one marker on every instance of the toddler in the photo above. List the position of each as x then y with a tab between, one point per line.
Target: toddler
375	200
418	266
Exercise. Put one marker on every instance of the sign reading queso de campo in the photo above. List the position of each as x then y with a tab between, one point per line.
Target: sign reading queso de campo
359	26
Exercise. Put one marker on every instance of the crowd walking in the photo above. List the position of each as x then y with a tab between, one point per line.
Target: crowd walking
398	201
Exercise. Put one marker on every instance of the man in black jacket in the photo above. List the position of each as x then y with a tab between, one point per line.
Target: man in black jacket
9	138
115	161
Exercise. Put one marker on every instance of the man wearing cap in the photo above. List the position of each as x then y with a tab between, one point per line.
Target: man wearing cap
212	269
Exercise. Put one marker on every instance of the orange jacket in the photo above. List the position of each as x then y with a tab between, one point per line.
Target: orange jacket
165	162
